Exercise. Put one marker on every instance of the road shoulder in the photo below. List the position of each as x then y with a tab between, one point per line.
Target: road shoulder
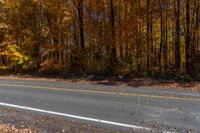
114	81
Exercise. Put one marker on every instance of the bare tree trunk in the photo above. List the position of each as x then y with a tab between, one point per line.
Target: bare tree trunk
197	23
81	32
148	35
187	43
41	38
113	43
166	42
177	34
195	44
81	24
161	36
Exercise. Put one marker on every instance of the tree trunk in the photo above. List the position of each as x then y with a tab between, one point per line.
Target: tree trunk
113	43
161	36
81	33
187	43
177	34
81	24
166	42
148	36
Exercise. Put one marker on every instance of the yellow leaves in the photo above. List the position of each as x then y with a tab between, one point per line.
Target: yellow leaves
4	67
46	31
12	52
3	26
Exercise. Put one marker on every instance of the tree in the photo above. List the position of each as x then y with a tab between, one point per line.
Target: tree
112	27
128	36
177	4
187	43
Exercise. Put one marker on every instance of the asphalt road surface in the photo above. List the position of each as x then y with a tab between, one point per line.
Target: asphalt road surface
104	106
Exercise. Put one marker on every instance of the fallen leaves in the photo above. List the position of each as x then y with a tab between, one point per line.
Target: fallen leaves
28	122
8	128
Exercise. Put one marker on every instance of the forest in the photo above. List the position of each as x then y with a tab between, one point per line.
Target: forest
108	37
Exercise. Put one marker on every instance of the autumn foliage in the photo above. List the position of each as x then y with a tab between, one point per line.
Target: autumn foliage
121	37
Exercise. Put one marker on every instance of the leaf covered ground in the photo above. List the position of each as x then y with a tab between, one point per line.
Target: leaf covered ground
16	121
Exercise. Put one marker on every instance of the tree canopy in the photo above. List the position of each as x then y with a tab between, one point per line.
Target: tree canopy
101	36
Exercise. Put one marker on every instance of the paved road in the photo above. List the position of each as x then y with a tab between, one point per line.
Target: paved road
164	109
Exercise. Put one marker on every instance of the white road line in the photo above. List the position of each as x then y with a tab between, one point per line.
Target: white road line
74	116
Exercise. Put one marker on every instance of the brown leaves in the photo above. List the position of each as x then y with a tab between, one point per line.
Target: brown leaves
35	123
8	128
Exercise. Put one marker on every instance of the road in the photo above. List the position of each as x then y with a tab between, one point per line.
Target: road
114	107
